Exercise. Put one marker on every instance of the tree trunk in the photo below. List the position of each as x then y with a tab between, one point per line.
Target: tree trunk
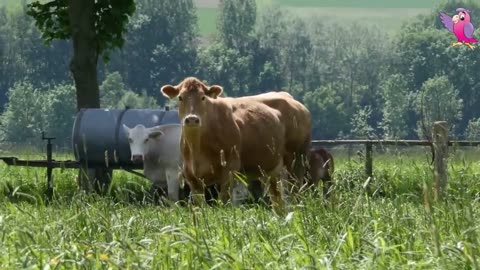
85	52
81	14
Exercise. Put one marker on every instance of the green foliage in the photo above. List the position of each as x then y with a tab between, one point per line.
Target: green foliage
328	110
337	69
236	22
30	111
24	56
395	93
437	101
59	113
134	100
473	129
360	126
422	50
112	90
160	45
361	3
227	67
23	119
116	95
110	21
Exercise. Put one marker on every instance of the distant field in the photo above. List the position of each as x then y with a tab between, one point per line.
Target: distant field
388	15
207	19
361	3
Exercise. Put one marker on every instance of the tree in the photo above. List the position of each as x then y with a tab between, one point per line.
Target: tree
112	90
23	117
227	67
59	112
236	22
134	100
116	95
95	26
160	46
395	94
437	100
329	112
360	126
473	129
421	50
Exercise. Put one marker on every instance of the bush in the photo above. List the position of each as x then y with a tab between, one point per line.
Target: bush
30	111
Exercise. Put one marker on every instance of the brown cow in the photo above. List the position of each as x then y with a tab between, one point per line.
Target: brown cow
321	168
221	136
297	120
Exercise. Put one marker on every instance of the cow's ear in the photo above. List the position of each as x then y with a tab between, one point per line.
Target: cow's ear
170	91
126	129
214	91
155	134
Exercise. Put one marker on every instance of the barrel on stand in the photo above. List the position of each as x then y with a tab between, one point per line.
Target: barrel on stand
101	145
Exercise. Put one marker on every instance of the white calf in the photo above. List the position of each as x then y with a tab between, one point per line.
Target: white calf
159	149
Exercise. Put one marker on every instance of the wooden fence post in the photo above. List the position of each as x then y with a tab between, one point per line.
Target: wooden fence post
368	159
440	146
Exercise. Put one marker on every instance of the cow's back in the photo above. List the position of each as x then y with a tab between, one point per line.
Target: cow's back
262	135
295	115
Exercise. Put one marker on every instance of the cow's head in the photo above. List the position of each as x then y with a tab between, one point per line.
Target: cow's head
141	139
194	97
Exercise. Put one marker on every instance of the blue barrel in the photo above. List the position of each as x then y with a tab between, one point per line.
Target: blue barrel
98	138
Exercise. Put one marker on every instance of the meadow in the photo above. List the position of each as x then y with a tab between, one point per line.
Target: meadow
387	16
399	226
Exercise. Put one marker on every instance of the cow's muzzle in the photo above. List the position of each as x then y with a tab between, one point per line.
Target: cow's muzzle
137	158
191	120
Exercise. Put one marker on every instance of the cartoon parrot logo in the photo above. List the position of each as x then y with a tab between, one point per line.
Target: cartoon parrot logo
461	26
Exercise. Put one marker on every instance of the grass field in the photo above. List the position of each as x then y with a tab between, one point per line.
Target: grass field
387	15
394	229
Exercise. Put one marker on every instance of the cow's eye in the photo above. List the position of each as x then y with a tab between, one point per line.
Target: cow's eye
203	98
180	98
146	140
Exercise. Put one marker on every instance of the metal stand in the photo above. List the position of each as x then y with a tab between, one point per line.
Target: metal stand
49	191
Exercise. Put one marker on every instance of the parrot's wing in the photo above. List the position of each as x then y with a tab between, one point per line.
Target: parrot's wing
468	30
447	21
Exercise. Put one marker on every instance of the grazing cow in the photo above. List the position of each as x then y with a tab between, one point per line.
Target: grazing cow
161	157
297	120
222	136
321	168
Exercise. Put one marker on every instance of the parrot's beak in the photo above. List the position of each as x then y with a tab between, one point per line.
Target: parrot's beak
455	19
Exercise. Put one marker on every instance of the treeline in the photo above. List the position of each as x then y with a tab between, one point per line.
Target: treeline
357	81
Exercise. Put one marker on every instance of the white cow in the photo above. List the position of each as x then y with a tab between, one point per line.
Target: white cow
159	149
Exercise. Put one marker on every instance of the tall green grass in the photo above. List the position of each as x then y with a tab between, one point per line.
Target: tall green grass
399	226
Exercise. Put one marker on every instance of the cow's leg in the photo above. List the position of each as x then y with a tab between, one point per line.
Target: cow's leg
275	188
173	184
226	185
300	161
196	186
292	183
